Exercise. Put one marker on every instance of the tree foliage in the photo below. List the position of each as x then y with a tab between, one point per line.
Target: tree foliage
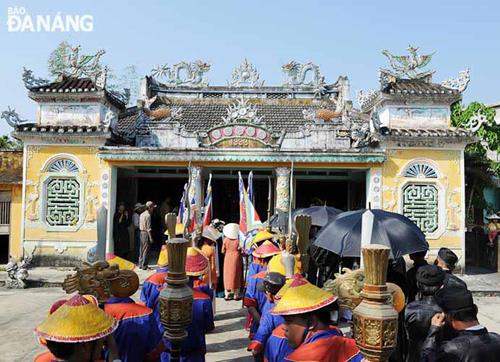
479	169
7	143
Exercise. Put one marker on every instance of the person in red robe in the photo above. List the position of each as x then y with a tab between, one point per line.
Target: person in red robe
306	310
233	264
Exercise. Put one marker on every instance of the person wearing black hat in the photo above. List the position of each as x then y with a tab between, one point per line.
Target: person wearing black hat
446	259
411	275
418	314
472	341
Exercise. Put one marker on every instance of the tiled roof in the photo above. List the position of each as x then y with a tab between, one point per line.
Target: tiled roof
60	129
202	116
67	85
75	85
127	120
412	132
417	87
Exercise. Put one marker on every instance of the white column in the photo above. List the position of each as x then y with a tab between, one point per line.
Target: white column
196	190
374	188
111	205
282	189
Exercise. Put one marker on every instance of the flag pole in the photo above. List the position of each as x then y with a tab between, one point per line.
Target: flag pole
187	203
290	204
269	197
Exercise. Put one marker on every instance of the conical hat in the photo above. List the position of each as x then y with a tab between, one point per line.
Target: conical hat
261	236
231	231
77	320
196	262
275	265
163	257
123	264
210	233
266	250
302	297
283	289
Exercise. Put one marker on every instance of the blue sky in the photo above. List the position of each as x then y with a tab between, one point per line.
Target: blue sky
342	37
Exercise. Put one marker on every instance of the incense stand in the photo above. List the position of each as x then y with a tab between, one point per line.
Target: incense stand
375	319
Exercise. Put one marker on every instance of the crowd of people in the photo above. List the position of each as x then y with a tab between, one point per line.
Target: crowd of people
289	318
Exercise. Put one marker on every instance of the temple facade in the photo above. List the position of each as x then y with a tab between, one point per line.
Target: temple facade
86	150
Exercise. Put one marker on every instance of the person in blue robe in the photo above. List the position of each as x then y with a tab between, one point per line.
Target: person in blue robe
277	347
137	335
270	285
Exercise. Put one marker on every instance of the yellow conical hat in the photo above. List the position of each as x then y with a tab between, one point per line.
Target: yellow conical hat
77	320
283	289
302	297
163	257
275	265
123	264
262	236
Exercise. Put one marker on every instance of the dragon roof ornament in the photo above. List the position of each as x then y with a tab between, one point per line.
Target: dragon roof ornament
245	75
297	77
366	99
66	61
459	83
12	117
31	81
406	66
183	74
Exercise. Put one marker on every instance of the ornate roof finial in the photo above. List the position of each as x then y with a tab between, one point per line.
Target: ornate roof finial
297	74
12	117
366	99
189	74
407	66
245	75
242	111
31	81
67	61
460	83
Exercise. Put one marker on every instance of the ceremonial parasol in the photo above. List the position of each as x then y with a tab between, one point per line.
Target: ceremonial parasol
320	215
343	235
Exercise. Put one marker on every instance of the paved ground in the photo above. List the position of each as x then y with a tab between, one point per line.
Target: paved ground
21	310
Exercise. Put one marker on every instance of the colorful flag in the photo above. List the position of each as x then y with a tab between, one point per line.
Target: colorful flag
182	208
250	193
249	219
207	215
192	215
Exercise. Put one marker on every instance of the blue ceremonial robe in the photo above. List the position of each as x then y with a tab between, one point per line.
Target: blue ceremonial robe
137	334
277	346
255	298
151	287
193	348
268	323
326	346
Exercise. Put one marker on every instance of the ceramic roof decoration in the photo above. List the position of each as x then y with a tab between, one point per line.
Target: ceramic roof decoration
77	320
302	297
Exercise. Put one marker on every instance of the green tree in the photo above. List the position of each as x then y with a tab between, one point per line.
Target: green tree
479	169
7	143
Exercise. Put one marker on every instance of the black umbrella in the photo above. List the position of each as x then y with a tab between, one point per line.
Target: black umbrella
320	216
342	235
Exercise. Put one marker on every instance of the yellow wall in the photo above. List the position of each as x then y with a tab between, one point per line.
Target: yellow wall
15	246
449	181
35	227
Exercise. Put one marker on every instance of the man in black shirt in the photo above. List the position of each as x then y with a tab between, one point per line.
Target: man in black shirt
411	274
446	259
472	341
418	314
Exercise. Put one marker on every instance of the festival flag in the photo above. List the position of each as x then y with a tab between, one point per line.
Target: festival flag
192	215
250	193
182	208
249	219
207	215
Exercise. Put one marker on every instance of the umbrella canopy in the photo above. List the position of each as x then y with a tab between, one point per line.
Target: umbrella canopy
342	235
320	216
